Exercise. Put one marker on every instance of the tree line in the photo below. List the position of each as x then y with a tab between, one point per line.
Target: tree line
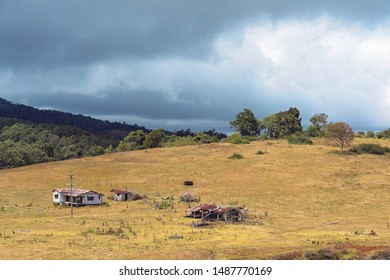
25	142
287	124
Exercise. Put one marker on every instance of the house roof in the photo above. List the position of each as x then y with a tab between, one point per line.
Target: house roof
75	192
120	191
198	207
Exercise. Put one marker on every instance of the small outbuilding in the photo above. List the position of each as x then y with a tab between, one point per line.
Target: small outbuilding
76	197
124	195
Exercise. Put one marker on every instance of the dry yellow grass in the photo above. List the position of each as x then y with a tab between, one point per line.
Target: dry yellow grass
300	198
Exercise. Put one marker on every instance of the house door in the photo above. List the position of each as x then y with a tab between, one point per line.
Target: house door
126	196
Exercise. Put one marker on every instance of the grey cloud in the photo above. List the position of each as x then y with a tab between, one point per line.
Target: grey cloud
51	51
146	104
47	33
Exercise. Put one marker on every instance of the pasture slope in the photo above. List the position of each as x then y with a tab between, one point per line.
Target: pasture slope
300	200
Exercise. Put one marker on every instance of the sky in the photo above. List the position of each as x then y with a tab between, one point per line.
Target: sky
179	64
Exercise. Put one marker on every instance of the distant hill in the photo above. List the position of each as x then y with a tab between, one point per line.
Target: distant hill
28	113
29	135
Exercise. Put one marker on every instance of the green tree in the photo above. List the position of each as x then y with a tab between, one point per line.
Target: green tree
319	123
319	120
133	141
247	124
283	124
340	134
154	138
370	134
9	158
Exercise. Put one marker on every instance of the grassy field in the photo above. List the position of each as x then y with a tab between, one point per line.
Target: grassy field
299	199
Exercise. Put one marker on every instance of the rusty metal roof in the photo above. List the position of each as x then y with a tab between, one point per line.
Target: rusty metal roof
198	207
119	191
75	192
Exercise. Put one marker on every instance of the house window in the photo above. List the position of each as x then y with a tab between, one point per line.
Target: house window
90	198
56	196
99	197
67	198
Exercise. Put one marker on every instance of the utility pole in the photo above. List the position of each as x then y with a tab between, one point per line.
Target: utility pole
71	195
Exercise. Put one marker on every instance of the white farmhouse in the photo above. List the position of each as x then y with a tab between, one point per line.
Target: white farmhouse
77	197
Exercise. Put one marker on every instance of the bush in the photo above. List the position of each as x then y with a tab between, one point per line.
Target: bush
236	156
369	149
235	138
370	134
322	254
360	134
300	140
260	152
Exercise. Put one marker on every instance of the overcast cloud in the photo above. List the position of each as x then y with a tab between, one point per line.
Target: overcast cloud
196	64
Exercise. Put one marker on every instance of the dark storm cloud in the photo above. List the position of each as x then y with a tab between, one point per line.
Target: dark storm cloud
146	104
47	33
184	61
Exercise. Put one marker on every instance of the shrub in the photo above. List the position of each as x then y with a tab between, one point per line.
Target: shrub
322	254
360	134
260	152
235	138
370	134
236	156
300	139
369	149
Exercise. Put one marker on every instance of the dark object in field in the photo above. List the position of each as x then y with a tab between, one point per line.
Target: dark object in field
188	183
176	236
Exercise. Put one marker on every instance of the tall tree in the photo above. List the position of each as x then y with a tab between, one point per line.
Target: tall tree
246	123
340	134
319	120
154	139
283	123
133	141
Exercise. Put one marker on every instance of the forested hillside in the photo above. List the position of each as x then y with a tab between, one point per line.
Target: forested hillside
29	135
28	113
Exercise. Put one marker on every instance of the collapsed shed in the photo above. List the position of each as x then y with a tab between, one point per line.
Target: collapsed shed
208	212
229	214
200	211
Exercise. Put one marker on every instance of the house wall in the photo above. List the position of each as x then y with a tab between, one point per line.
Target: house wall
122	196
97	198
119	196
58	199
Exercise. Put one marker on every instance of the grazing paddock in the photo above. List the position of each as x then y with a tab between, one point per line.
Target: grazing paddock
301	201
